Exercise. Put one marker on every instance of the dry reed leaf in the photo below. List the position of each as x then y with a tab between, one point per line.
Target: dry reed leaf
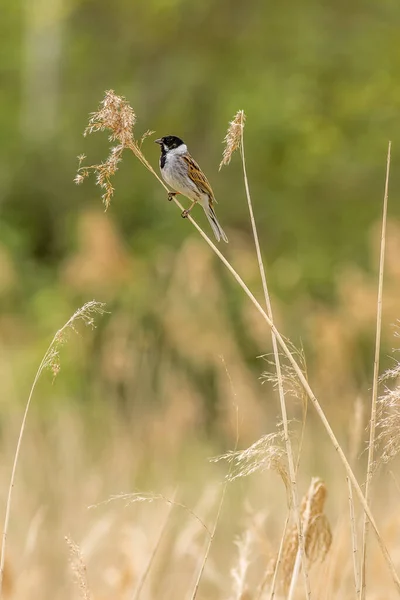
78	568
316	531
233	137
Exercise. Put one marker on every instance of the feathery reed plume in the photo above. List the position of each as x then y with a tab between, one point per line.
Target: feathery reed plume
282	343
317	535
233	137
389	417
78	568
50	360
132	497
266	454
239	571
374	399
291	384
117	116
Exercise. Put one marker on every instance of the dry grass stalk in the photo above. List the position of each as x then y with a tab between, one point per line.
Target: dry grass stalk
210	541
216	521
300	375
291	386
356	428
353	531
317	535
235	139
78	568
153	555
49	361
272	571
374	399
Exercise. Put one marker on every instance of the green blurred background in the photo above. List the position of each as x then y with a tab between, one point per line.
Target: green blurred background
319	83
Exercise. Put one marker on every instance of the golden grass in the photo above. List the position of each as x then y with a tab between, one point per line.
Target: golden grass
141	551
51	361
372	420
234	140
103	120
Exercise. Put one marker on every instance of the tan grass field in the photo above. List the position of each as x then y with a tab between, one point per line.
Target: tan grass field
116	497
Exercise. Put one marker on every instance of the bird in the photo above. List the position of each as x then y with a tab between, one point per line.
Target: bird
182	173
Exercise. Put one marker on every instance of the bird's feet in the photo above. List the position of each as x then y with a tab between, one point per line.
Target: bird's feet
171	195
185	213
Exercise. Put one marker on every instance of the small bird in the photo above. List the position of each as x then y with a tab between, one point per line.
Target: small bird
184	175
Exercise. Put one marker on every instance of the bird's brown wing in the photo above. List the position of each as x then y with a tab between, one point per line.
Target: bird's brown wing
198	177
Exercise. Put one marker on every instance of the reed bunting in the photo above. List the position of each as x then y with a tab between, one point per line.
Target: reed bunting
184	175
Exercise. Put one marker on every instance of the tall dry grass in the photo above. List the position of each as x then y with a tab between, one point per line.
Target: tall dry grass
117	116
142	551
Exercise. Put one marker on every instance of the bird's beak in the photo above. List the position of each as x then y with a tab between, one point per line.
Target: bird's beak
159	141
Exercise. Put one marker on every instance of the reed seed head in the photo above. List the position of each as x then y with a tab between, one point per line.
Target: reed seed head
233	138
267	453
316	531
78	568
116	115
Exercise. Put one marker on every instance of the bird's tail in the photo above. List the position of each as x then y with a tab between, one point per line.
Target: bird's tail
215	226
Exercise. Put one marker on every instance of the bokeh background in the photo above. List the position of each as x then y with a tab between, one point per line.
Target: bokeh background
143	400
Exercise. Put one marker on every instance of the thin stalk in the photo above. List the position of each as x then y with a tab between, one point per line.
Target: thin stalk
209	544
153	554
374	398
212	535
289	451
354	539
49	359
14	467
296	568
278	563
303	382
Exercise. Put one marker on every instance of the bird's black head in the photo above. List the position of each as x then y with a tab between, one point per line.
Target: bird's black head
169	142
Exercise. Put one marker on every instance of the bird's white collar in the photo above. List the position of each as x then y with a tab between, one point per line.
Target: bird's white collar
182	149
